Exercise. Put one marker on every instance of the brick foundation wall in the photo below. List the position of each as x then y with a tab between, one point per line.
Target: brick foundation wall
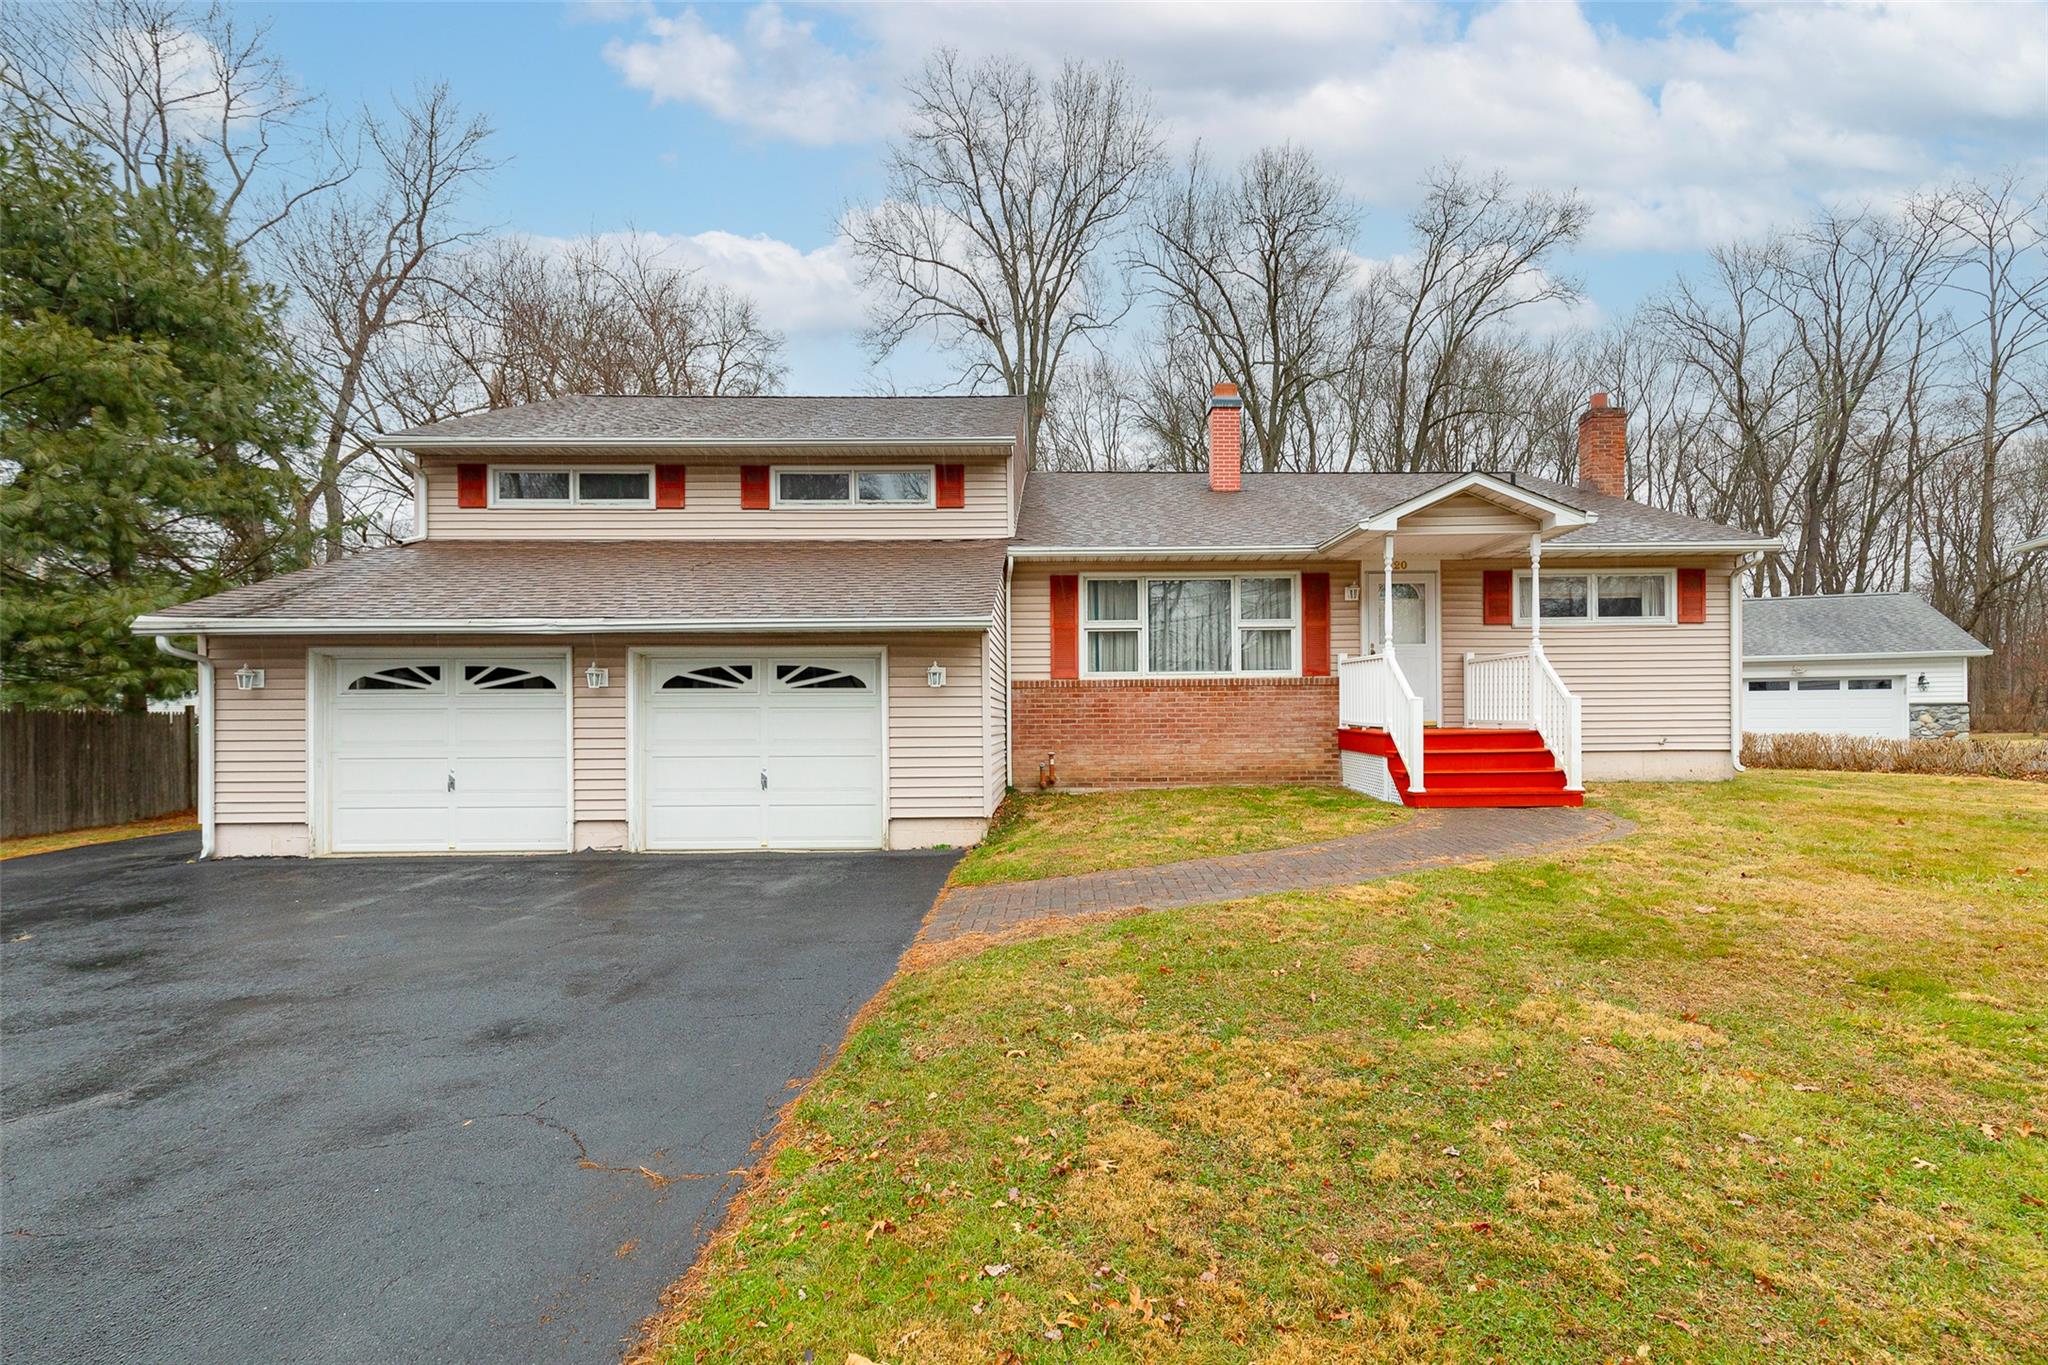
1127	732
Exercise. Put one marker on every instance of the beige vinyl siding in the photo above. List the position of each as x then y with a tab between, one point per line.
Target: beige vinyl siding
1466	514
938	754
1031	601
712	511
995	703
259	747
1643	688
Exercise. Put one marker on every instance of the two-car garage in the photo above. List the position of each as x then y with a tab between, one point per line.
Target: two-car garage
472	752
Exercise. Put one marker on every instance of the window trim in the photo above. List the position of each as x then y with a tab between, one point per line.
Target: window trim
1592	616
575	498
1239	623
853	473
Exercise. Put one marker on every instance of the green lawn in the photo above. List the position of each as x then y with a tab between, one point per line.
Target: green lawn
1764	1081
1056	834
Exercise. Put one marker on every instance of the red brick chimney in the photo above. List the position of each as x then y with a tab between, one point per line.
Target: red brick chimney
1603	448
1226	439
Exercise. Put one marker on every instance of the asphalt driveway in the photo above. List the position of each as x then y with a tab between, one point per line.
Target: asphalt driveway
400	1109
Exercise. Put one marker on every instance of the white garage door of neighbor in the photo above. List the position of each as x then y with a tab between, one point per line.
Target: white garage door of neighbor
436	753
1870	706
761	751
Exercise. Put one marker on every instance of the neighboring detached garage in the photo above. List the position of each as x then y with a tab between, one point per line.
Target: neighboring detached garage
1883	665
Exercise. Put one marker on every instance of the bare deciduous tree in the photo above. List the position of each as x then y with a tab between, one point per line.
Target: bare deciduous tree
1482	251
1000	196
143	79
373	270
1256	268
604	317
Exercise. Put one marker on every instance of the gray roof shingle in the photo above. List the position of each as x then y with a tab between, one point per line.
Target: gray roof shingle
669	581
788	420
1849	624
1299	511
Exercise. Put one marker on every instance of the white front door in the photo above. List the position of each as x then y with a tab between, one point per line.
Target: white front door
1415	642
768	750
430	753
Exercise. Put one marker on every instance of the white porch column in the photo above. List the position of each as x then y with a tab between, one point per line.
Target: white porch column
1387	594
1535	619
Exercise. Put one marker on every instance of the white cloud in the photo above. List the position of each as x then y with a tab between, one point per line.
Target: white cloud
1678	138
800	293
773	76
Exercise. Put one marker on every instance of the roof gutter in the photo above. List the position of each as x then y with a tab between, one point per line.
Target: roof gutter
1156	551
541	625
205	797
404	442
1974	652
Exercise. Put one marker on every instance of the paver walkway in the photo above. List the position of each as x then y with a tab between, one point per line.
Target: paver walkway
1426	839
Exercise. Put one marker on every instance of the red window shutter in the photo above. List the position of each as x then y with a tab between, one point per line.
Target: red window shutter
753	486
668	485
472	485
1692	597
1315	625
951	485
1498	596
1066	625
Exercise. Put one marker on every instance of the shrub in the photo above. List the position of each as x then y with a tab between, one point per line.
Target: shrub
2026	760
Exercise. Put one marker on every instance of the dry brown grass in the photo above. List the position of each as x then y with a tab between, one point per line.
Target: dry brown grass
102	834
2017	759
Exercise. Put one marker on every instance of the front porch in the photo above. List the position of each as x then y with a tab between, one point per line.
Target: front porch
1520	743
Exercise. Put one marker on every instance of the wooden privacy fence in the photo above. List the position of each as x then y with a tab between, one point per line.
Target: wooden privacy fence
68	770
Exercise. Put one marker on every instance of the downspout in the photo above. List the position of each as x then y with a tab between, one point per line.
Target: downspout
163	643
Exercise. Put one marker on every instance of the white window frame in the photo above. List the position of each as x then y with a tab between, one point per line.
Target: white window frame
575	473
1238	623
1592	616
852	501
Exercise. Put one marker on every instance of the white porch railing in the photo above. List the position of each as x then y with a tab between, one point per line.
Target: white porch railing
1521	687
1373	692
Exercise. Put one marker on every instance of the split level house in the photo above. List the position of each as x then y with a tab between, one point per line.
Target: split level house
737	623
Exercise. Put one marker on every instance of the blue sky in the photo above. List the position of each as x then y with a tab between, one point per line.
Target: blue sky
736	133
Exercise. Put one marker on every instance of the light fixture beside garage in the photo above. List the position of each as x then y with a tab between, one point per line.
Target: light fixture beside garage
597	677
1921	682
248	679
935	676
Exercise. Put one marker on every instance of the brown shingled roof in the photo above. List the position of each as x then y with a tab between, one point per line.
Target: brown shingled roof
1300	512
616	584
791	420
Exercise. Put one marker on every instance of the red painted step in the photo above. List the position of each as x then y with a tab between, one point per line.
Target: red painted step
1549	779
1436	738
1472	767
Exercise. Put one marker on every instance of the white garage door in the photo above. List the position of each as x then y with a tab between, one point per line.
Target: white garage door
761	751
432	753
1873	707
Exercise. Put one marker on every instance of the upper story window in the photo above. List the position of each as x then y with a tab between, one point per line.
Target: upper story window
1635	597
1191	625
530	486
909	486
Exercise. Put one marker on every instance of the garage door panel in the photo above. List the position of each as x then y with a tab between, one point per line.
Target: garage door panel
1865	706
813	724
392	827
676	727
390	753
821	826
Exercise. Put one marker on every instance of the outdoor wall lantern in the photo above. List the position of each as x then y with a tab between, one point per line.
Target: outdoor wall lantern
1922	682
248	679
1350	592
597	677
935	676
